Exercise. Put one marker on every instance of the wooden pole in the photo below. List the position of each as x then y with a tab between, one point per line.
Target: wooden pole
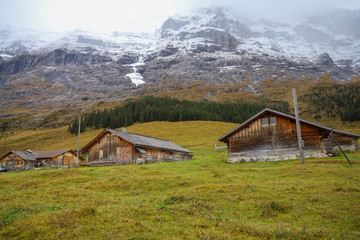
330	134
77	154
298	129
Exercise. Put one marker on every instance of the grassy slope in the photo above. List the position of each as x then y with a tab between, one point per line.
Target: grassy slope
59	138
205	198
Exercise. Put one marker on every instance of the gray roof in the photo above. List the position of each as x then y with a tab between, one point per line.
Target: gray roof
36	156
145	141
51	154
28	156
222	138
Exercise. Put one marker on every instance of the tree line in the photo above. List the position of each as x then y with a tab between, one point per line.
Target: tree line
148	108
340	99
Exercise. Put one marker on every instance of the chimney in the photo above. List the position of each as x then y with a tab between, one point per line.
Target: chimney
123	129
29	151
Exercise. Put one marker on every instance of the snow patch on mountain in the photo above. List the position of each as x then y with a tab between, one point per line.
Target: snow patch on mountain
135	77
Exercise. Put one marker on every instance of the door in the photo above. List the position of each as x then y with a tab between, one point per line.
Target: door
328	148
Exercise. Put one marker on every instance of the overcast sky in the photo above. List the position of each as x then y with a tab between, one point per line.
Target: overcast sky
144	15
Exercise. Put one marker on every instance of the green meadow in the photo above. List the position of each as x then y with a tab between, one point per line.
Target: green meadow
205	198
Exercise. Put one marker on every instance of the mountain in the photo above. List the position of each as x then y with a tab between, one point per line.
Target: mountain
210	46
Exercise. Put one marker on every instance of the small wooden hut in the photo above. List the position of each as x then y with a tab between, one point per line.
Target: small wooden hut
16	160
58	158
115	147
271	136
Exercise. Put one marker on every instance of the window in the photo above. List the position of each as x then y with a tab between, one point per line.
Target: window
265	121
273	120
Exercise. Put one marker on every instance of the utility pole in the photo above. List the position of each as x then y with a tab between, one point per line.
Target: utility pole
77	155
298	129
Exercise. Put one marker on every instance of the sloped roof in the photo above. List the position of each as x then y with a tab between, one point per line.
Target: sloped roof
145	141
51	154
268	110
36	156
29	156
142	141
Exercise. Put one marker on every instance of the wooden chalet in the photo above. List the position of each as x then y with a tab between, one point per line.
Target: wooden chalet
116	147
58	158
16	160
271	136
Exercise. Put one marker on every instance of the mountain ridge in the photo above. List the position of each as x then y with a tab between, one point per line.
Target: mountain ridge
210	45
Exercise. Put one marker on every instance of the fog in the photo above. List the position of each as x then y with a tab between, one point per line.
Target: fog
276	10
145	15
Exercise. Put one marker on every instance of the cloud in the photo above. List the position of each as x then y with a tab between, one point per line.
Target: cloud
145	15
281	10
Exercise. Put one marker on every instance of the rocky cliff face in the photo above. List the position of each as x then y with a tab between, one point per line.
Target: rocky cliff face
214	46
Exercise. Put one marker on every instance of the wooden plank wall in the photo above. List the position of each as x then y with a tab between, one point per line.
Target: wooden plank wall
346	142
273	139
14	162
111	148
155	155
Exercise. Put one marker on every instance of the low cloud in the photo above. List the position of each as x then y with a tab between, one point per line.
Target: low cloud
277	10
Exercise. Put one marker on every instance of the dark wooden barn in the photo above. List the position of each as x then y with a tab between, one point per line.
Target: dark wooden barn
115	147
271	136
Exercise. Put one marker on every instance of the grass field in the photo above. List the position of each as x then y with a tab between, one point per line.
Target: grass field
205	198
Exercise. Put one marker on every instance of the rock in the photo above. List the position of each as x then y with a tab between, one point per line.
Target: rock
168	51
325	60
206	48
93	41
173	24
26	61
222	38
128	58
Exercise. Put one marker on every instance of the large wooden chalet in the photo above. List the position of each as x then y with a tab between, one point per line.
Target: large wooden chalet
271	136
117	147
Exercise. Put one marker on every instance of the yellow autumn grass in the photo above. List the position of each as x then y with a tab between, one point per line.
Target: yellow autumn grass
205	198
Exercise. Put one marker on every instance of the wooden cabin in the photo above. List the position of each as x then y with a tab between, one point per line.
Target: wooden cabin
271	136
58	158
116	147
16	160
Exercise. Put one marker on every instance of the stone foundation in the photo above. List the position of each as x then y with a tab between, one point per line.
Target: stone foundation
236	158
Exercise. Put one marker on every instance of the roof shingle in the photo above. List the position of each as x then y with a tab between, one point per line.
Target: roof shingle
51	154
29	156
145	141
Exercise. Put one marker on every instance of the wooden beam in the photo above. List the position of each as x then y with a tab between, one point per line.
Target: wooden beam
78	143
298	129
330	134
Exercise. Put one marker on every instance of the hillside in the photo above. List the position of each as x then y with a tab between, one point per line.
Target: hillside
205	135
205	198
149	109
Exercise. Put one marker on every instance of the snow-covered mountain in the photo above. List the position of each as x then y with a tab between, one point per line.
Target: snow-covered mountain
213	45
336	33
